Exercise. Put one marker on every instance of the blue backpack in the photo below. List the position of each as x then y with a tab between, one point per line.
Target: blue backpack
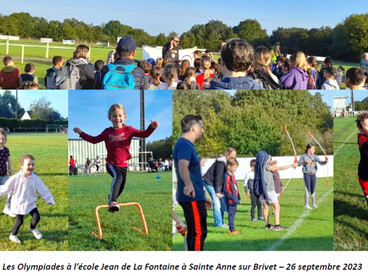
119	77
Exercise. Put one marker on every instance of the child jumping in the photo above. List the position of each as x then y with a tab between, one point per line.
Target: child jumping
24	186
309	162
231	192
117	141
362	124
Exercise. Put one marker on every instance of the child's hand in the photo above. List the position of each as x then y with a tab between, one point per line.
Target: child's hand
77	130
248	194
154	124
10	171
219	195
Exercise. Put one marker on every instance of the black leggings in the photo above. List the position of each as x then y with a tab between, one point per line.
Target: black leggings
118	182
19	221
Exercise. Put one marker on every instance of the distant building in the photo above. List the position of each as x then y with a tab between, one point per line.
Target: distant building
339	104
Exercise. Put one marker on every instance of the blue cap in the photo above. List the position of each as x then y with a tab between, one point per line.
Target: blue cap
152	61
127	43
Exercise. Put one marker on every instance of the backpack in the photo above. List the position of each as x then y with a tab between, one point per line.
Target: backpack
51	78
68	77
119	77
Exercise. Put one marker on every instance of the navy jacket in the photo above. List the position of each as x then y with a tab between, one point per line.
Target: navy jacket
229	83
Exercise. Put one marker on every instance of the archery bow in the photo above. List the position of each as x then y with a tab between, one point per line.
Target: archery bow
295	158
324	152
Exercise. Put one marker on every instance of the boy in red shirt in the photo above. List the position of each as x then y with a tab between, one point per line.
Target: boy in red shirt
117	141
362	124
9	75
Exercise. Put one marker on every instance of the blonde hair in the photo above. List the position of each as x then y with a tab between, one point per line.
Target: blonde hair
115	107
232	161
3	133
300	61
81	52
24	157
206	64
262	57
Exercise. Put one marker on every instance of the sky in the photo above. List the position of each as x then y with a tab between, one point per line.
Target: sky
88	110
165	16
359	95
57	98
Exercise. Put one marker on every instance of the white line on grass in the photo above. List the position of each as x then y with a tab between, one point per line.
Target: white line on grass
343	144
296	225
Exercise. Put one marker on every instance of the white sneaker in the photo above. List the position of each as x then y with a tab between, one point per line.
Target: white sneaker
36	233
307	207
14	238
315	206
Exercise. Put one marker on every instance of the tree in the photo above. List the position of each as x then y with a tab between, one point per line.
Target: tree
251	31
41	109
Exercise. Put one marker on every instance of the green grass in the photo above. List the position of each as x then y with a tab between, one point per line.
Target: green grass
350	210
88	191
314	233
51	165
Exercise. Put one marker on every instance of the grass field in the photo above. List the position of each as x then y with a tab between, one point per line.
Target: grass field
350	210
154	195
307	229
51	165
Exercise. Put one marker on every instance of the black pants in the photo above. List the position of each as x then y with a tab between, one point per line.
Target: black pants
255	202
231	212
19	221
195	213
118	182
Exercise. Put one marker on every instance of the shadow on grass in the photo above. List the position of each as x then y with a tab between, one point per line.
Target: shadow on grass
348	194
53	174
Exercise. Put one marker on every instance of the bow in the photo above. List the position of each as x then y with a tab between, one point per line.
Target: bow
295	156
324	152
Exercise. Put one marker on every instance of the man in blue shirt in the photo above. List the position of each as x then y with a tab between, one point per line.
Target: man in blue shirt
190	192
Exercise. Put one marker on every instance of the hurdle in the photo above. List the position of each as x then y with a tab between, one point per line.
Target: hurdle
99	236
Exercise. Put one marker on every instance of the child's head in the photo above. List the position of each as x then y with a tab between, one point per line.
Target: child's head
310	149
82	51
285	67
328	61
29	68
156	74
237	55
252	164
146	66
232	164
3	137
362	123
183	86
230	152
298	60
197	54
197	64
57	61
117	115
202	161
262	58
190	72
98	65
8	60
27	164
184	66
167	61
159	62
312	61
170	73
330	73
355	77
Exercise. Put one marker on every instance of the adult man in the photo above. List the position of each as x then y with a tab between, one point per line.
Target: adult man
190	193
125	50
171	50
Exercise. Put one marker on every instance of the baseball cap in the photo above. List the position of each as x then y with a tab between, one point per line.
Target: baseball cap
331	70
127	43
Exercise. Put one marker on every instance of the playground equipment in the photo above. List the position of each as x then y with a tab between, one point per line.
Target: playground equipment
99	236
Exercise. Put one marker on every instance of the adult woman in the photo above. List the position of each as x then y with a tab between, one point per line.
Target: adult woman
297	77
81	60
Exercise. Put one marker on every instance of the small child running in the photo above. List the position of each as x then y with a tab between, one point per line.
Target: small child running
117	141
24	187
362	124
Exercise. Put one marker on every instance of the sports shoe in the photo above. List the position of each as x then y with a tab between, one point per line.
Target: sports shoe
14	238
233	233
260	218
279	228
36	233
223	226
113	206
307	207
315	206
254	219
269	227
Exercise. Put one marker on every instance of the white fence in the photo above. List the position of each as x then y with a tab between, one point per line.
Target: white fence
323	171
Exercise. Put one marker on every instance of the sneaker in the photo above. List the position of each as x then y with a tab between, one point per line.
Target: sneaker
36	233
279	228
233	233
260	218
223	226
315	206
113	206
254	219
14	238
269	227
307	207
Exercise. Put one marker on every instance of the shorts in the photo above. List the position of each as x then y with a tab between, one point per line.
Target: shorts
272	197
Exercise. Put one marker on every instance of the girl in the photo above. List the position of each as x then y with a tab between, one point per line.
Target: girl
191	79
362	124
183	68
170	77
5	166
309	162
24	185
117	141
312	72
156	74
297	78
206	69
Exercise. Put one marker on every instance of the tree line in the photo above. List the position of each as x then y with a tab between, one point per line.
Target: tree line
346	41
251	121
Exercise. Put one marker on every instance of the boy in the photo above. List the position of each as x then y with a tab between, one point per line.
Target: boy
355	78
321	78
231	192
362	124
51	73
330	76
28	76
9	75
248	188
236	61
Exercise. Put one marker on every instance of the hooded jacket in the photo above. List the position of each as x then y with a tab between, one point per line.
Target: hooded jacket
259	184
215	174
296	79
228	83
86	72
265	80
9	77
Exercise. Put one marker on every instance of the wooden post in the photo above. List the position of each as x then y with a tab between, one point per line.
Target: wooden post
22	54
47	50
7	47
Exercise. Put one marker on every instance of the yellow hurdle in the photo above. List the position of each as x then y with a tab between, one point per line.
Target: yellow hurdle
99	236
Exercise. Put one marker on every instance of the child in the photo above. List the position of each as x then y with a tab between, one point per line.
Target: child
297	77
117	141
170	77
206	69
355	78
330	81
321	79
248	188
9	75
24	186
191	78
5	163
231	192
362	124
156	74
309	162
51	73
28	76
312	72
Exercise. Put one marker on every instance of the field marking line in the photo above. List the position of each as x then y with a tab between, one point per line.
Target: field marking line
343	144
296	225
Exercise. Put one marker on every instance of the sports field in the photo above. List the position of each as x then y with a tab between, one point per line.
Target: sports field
154	195
350	210
307	229
51	165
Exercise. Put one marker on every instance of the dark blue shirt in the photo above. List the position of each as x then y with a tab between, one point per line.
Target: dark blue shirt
184	149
